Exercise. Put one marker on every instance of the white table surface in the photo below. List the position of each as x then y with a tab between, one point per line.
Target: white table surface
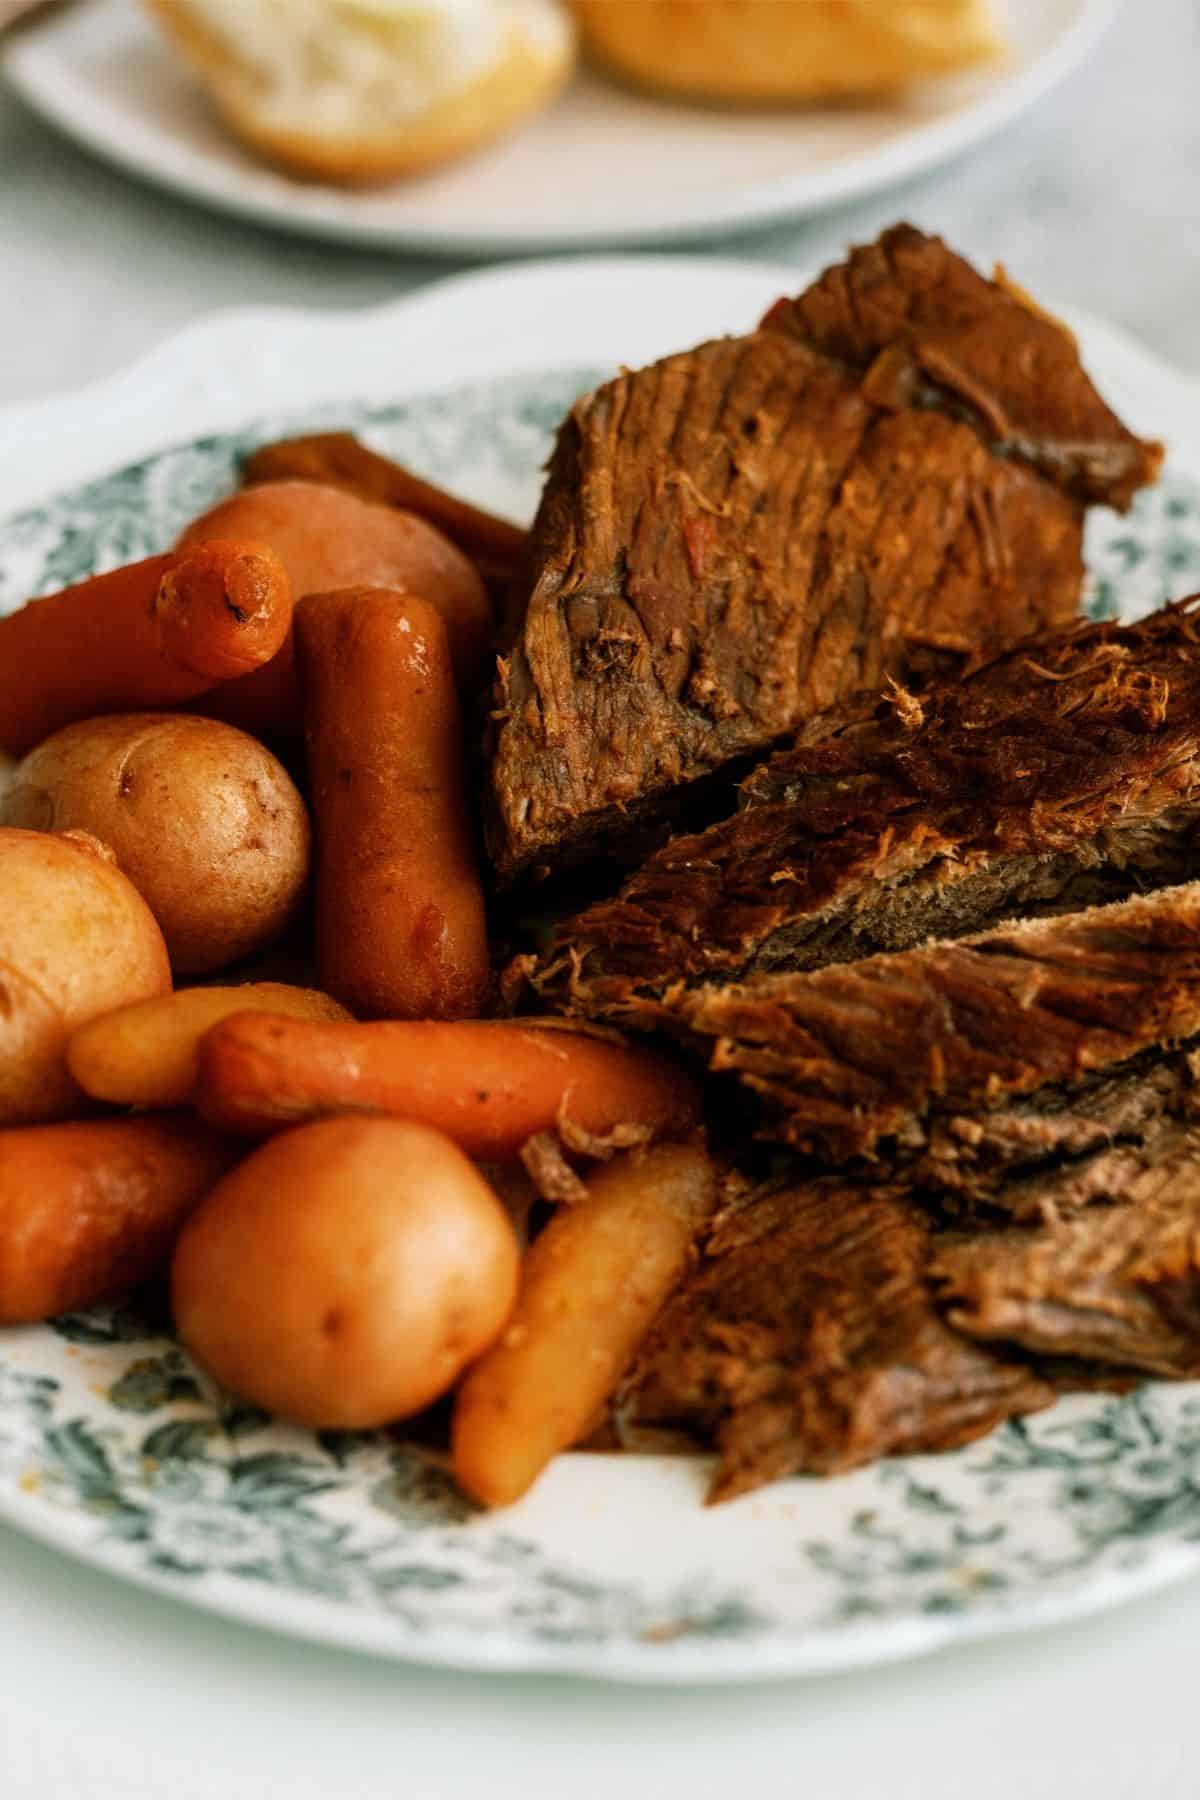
106	1694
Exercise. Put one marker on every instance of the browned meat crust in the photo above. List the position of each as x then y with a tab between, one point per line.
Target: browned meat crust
742	534
848	1056
1118	1282
1066	771
932	329
1061	1148
807	1341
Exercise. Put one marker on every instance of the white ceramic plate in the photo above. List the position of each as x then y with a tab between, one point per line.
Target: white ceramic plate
112	1447
602	166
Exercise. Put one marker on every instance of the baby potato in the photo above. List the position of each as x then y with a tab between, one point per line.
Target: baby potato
346	1273
76	939
204	821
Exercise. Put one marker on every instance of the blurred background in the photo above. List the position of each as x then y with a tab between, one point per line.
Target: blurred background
1088	196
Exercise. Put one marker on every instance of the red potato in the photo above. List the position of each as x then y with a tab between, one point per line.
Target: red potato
591	1286
345	1274
91	1210
76	939
156	633
206	823
489	1085
327	538
201	817
401	931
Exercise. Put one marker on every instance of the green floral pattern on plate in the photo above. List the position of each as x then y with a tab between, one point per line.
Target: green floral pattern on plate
112	1444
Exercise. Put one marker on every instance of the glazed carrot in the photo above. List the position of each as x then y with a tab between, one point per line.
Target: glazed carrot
326	539
488	1084
340	460
153	634
401	932
145	1054
591	1285
88	1211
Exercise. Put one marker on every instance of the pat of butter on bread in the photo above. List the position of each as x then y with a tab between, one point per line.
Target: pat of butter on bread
358	92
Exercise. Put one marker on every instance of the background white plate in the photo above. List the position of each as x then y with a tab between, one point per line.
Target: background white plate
111	1446
602	166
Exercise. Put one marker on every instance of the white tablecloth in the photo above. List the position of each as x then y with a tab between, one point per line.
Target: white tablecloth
106	1694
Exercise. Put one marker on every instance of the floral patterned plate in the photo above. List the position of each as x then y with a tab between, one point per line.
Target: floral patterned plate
115	1448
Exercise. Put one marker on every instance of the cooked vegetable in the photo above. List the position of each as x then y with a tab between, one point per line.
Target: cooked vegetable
145	1054
154	634
340	460
489	1085
204	821
401	931
76	939
345	1274
91	1210
590	1288
328	539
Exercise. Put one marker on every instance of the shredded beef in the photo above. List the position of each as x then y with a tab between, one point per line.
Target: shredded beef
847	1057
807	1341
1064	773
1117	1281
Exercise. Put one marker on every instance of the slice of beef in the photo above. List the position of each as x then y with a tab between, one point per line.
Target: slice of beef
1118	1282
1064	772
806	1341
733	539
928	329
846	1057
1062	1147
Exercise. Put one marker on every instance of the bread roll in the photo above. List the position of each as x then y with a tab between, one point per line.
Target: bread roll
358	92
774	51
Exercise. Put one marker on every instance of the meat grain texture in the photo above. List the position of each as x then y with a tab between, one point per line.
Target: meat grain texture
1064	772
888	478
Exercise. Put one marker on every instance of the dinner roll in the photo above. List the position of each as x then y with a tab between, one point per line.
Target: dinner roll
774	51
360	91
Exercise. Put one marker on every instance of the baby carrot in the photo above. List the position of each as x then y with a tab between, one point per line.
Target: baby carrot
489	1084
144	1054
401	932
91	1210
150	635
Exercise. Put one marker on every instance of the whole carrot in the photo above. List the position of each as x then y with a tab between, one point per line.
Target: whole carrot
341	460
91	1210
401	932
490	1085
152	634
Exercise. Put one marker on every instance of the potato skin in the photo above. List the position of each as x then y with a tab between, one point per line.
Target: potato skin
205	822
76	939
346	1273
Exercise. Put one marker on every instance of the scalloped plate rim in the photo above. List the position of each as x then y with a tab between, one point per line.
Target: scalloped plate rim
835	1651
